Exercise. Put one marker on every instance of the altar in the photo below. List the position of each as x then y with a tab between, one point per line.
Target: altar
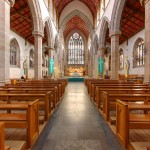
75	79
75	71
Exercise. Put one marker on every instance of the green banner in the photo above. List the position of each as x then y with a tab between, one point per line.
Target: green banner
51	66
101	65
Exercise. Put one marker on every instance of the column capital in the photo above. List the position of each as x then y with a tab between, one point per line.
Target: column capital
114	33
50	48
143	2
101	48
37	33
11	2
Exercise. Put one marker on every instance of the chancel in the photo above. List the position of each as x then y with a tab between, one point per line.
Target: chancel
75	74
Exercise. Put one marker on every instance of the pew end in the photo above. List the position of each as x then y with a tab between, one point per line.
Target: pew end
121	122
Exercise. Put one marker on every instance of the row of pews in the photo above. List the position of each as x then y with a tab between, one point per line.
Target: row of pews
28	105
126	105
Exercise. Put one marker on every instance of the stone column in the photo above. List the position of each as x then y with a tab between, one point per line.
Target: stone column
38	54
5	39
114	55
147	41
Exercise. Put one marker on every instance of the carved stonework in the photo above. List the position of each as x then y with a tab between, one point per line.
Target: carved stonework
143	2
12	2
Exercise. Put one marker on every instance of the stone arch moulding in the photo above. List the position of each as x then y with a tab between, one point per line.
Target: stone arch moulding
12	2
116	16
36	16
104	26
47	24
76	13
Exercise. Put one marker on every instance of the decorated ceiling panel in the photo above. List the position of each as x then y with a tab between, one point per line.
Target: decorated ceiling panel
91	4
132	19
76	23
21	21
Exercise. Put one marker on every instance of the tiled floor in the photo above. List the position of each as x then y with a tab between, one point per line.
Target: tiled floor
77	125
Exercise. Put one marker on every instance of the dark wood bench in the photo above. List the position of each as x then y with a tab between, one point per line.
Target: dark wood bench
27	120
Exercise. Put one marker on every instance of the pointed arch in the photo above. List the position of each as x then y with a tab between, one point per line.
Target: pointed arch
36	16
81	15
50	36
102	35
116	15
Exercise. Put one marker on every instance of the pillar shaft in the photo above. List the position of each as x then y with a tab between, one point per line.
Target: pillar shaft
147	42
4	40
114	56
38	56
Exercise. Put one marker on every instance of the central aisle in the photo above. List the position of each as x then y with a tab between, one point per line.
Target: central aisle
77	125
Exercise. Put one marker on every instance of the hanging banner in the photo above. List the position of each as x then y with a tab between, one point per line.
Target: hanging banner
51	66
101	65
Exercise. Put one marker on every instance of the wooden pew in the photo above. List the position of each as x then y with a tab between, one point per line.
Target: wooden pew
53	95
44	100
2	137
36	86
27	120
121	90
126	120
148	148
60	85
98	90
94	86
109	101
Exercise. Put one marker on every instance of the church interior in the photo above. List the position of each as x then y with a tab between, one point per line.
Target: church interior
74	74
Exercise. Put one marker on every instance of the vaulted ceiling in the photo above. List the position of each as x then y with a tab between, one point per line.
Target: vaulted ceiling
76	23
91	4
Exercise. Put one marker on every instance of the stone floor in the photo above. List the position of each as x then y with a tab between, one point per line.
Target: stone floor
76	124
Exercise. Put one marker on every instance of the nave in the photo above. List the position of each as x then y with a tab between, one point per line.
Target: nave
76	124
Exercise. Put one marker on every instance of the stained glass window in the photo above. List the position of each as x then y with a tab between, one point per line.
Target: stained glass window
139	53
14	53
75	49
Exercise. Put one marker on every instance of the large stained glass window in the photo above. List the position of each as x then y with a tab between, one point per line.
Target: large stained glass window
75	50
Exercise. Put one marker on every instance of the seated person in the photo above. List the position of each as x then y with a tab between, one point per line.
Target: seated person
22	77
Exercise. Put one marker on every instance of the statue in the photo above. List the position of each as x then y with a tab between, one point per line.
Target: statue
126	66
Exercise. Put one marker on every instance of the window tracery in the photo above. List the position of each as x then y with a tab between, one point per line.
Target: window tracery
76	49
